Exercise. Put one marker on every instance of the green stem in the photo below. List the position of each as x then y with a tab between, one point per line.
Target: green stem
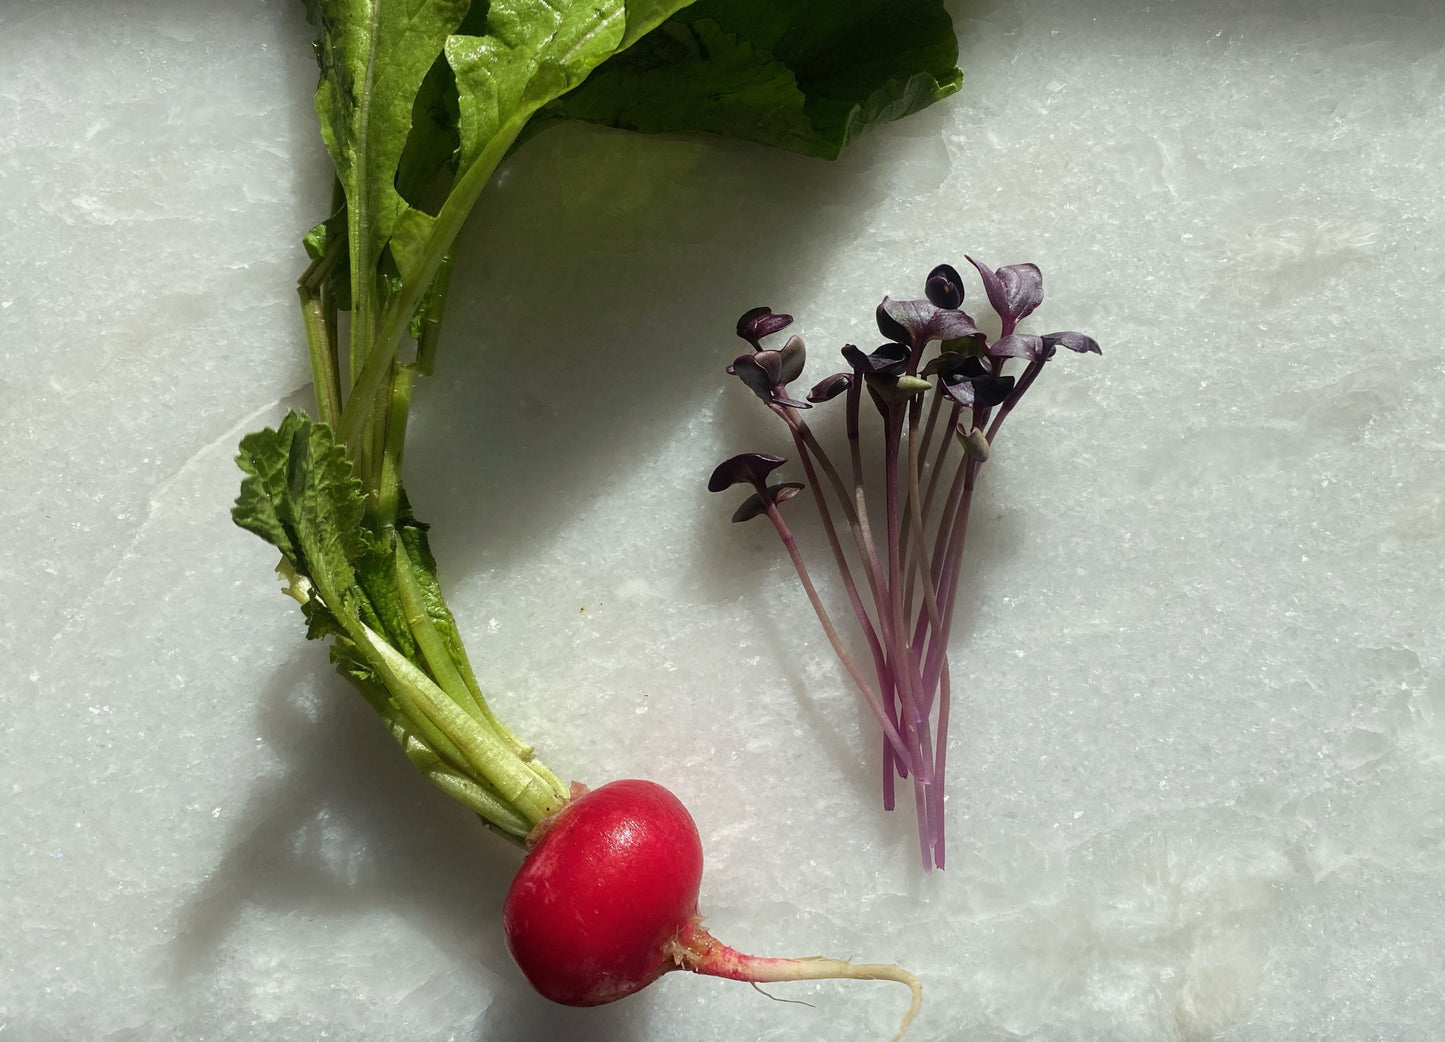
433	648
320	330
447	776
453	214
485	754
388	491
426	343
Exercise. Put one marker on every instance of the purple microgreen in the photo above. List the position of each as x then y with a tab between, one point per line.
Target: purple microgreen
830	387
888	360
752	468
1073	341
921	321
910	545
1014	290
761	322
943	287
758	502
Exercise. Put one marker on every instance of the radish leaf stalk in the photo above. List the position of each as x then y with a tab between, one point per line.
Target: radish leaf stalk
930	469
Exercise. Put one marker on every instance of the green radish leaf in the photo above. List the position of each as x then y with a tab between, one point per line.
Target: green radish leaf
301	496
418	550
533	51
376	574
809	76
432	142
264	506
374	56
409	241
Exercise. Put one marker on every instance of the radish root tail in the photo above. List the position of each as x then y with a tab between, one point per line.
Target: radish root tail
701	952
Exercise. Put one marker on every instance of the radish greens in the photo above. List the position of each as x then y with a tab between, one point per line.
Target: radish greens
419	101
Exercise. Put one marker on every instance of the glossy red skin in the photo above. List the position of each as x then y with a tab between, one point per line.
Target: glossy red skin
595	904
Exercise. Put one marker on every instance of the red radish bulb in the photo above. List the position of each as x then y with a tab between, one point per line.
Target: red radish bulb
606	902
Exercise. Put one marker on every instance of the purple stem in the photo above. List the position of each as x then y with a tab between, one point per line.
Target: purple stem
875	702
945	699
949	582
807	447
900	656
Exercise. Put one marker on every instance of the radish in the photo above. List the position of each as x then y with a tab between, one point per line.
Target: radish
419	104
606	902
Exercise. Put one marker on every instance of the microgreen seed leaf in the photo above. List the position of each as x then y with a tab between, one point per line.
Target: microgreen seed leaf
830	387
888	360
766	373
793	357
786	491
1021	345
890	326
758	502
753	370
922	322
943	287
1073	341
761	322
955	362
749	509
750	467
1014	290
976	391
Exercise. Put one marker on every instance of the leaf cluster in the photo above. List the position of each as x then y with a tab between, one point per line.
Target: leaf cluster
418	102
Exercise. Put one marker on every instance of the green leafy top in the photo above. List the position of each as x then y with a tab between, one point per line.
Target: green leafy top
810	75
418	102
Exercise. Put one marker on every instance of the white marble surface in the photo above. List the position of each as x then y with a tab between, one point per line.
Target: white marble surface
1199	749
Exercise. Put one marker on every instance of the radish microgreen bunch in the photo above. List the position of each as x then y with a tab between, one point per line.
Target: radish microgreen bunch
899	561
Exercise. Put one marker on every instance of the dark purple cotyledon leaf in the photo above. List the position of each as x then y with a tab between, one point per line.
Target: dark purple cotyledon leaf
1040	348
750	468
767	373
975	392
921	321
957	362
753	468
758	502
792	357
1073	341
761	322
1014	290
891	359
943	287
830	387
1021	345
